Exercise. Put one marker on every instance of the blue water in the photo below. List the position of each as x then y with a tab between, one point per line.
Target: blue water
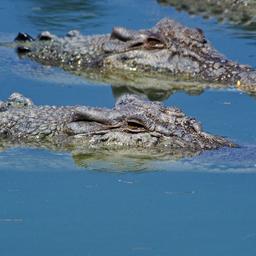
53	203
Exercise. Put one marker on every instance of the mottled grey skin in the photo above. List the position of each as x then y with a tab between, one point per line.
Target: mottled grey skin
167	48
241	12
132	123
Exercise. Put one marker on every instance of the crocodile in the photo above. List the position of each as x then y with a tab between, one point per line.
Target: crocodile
133	123
168	48
238	12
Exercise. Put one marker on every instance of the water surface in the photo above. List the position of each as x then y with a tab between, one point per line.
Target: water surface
53	203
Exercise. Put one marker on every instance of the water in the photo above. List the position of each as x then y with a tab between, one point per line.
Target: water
53	203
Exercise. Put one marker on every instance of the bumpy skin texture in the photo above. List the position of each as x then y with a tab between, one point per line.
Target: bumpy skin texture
167	48
132	123
242	12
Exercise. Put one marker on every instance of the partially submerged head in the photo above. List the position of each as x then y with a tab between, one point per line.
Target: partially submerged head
135	122
168	46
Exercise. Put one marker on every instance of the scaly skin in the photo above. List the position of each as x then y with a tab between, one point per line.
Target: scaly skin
132	123
241	12
167	48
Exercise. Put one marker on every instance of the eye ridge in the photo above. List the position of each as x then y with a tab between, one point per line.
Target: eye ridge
122	34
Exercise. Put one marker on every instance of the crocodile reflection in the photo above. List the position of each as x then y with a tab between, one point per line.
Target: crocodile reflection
154	94
237	160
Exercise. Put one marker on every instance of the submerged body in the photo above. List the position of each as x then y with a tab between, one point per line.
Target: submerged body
132	123
167	48
240	12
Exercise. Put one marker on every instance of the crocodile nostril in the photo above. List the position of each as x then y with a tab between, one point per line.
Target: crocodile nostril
45	36
24	37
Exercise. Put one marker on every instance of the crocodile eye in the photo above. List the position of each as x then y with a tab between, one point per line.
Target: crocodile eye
149	43
154	43
132	123
135	126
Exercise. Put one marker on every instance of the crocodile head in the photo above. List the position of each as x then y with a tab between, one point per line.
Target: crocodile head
168	47
135	122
